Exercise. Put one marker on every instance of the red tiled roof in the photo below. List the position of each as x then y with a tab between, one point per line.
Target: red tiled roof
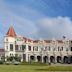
35	41
48	41
60	41
11	32
1	50
25	39
29	40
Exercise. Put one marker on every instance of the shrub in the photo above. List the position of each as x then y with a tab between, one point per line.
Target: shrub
1	62
17	58
10	58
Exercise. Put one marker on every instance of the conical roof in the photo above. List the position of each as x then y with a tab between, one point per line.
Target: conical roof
11	32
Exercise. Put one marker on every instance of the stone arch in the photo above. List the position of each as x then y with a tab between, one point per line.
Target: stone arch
65	59
45	58
52	59
71	59
39	58
32	58
59	59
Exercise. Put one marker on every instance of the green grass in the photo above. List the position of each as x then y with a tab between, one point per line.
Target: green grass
33	68
57	68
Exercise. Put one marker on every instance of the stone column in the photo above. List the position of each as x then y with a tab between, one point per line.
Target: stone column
55	59
42	59
35	58
48	59
22	58
26	57
5	58
62	59
68	59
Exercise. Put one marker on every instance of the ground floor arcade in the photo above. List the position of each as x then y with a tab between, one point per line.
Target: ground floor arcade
44	58
49	59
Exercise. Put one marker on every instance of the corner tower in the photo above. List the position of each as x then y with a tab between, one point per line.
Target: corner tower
9	42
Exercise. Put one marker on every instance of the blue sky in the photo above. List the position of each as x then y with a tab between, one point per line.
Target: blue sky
37	19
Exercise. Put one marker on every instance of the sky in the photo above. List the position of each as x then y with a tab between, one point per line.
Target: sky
36	19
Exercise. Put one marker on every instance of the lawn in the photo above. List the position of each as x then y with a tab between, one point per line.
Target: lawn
34	68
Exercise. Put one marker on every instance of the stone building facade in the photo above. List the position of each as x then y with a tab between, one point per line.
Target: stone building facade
45	51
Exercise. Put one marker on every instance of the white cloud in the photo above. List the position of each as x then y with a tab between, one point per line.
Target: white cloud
55	27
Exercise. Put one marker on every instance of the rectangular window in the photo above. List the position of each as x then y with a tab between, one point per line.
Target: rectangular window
24	57
71	48
49	48
66	49
62	49
33	48
23	47
58	48
54	49
11	47
16	47
36	48
7	47
29	48
16	55
46	48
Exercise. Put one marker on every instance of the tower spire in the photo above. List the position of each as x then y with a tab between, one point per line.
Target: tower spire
11	32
